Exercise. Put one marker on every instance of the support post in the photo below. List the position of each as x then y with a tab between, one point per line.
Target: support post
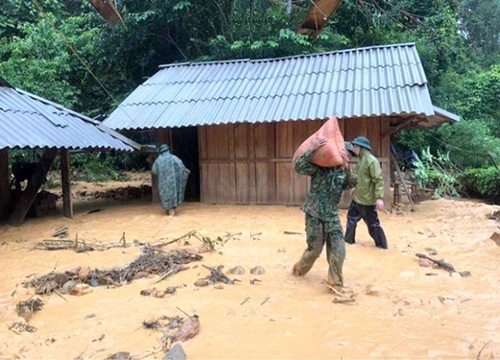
4	182
66	184
34	184
403	182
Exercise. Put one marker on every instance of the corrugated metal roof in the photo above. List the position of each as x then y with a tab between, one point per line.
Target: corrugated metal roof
29	121
373	81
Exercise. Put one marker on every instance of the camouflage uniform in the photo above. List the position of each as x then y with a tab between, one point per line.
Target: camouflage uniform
172	179
322	216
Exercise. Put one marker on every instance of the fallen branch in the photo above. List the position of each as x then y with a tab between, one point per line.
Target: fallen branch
187	235
480	351
441	263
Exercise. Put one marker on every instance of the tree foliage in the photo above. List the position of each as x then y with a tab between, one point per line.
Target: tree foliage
64	51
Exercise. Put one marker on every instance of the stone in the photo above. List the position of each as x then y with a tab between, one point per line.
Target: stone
80	289
73	270
140	275
176	353
66	288
201	282
83	273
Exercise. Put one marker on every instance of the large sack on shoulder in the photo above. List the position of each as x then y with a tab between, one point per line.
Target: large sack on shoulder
330	153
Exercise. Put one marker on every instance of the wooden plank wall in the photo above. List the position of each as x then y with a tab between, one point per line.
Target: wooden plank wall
236	164
251	163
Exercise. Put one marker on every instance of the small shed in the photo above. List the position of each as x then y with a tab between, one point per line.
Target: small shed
28	121
236	124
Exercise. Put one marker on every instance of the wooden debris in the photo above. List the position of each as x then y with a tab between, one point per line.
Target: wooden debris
152	261
441	263
292	233
244	301
265	300
61	232
343	300
252	281
216	275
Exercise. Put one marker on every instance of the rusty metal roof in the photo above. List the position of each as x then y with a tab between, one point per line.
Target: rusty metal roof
373	81
29	121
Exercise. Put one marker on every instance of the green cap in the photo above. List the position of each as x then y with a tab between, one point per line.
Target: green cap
164	148
363	142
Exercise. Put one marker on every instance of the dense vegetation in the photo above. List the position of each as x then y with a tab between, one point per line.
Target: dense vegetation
64	51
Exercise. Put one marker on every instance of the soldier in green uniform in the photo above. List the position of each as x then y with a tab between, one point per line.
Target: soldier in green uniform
172	179
322	213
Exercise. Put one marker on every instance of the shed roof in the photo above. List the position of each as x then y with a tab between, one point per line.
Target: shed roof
29	121
372	81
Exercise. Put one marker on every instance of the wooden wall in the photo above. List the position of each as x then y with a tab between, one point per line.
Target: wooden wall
251	163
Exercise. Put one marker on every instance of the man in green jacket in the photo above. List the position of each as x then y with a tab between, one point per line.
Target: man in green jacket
368	195
323	224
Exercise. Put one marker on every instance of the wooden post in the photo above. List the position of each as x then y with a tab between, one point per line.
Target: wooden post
34	184
4	182
403	182
66	184
155	193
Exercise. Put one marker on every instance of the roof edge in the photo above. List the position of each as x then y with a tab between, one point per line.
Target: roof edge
98	124
445	114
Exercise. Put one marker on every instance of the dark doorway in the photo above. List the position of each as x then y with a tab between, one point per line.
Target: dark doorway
185	147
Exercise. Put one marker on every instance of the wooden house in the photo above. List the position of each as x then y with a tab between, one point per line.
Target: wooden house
236	124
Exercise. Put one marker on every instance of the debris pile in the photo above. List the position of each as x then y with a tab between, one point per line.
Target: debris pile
151	262
121	193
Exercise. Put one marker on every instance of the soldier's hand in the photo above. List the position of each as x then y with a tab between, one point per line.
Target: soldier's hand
317	143
379	204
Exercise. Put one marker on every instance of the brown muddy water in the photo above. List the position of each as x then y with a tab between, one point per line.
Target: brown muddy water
401	310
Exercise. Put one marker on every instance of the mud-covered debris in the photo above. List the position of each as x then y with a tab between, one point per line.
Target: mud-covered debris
151	324
25	309
20	327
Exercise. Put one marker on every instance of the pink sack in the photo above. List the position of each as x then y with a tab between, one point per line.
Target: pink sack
330	153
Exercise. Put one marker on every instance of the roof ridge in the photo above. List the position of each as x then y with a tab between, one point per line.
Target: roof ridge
248	60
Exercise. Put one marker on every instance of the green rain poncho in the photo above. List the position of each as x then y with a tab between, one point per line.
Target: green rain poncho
172	179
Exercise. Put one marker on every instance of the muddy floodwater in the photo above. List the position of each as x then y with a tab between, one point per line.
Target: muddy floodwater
400	310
